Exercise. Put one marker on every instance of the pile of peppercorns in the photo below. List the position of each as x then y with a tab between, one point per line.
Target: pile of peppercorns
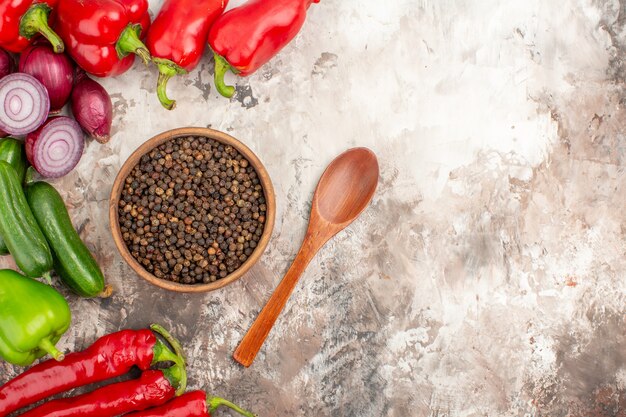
192	210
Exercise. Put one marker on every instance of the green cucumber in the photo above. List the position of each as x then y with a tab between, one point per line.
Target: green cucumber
73	262
12	151
19	228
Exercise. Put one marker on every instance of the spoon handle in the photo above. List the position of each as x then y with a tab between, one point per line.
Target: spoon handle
256	335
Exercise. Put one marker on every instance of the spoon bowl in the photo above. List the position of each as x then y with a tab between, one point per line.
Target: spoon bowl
347	186
344	190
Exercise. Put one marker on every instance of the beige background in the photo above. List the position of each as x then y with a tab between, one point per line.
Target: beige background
487	277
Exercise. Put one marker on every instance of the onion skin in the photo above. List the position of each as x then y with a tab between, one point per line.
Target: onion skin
54	70
40	147
92	108
7	64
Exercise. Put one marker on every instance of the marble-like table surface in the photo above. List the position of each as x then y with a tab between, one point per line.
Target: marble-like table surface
487	278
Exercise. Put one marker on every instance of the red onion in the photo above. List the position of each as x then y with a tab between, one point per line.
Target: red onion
56	147
55	71
92	107
7	65
24	104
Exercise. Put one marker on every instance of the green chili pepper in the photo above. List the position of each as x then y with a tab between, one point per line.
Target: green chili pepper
33	317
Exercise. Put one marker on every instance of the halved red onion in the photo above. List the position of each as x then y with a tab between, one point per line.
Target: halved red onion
54	70
24	104
56	147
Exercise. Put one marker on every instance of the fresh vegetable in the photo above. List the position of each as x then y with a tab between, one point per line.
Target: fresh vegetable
33	317
7	64
19	228
103	36
56	147
55	71
12	151
110	356
72	260
92	107
151	389
246	37
177	38
21	20
24	104
191	404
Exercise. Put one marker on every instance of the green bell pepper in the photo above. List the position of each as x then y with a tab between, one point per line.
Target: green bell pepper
33	317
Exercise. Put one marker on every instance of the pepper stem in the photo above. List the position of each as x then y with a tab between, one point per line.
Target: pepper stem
214	402
167	69
129	43
221	67
177	374
178	349
35	21
48	346
161	353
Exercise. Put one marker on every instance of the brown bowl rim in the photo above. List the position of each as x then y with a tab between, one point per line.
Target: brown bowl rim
131	162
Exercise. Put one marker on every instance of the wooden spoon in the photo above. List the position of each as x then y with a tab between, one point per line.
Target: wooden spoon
343	192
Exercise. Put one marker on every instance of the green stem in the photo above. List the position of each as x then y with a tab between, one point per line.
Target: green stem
167	69
214	402
221	67
129	43
177	374
47	346
30	175
161	353
35	21
178	349
47	277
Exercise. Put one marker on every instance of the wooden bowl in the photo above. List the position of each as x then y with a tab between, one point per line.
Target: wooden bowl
132	161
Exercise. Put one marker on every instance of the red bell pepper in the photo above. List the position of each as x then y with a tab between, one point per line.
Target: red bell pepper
109	357
246	37
177	38
103	35
21	20
151	389
191	404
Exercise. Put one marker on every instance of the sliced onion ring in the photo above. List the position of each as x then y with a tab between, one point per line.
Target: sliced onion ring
24	104
56	147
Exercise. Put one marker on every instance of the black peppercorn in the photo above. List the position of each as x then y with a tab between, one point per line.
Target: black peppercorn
192	210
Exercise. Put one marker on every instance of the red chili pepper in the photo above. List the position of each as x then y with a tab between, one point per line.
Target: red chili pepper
151	389
177	38
191	404
21	20
103	35
110	356
246	37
